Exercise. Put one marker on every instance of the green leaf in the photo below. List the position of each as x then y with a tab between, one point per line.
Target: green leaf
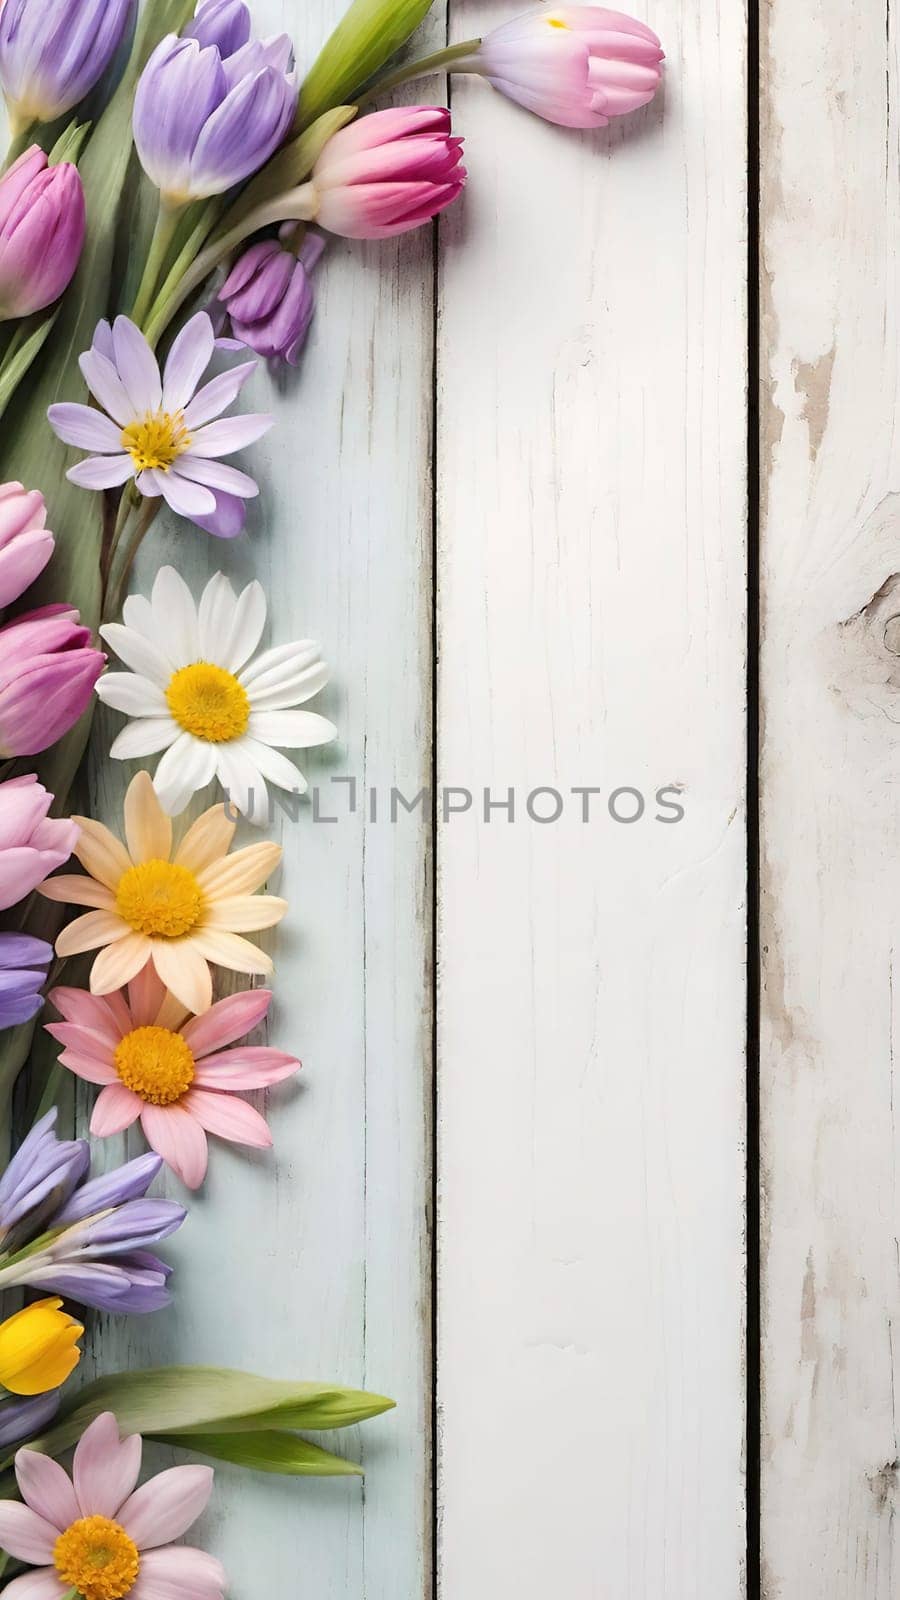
265	1451
366	37
188	1401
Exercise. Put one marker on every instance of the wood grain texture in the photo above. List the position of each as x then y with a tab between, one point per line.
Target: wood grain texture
315	1261
592	596
830	766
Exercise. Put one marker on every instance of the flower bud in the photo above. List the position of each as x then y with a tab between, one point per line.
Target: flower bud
48	669
224	23
26	544
38	1348
269	298
52	52
42	222
32	844
387	173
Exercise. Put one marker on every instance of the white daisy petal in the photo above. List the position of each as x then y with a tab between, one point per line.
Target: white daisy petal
137	367
291	730
295	655
144	737
217	475
136	696
188	765
188	359
274	766
101	472
215	397
86	428
215	619
102	379
175	615
291	689
138	653
137	613
188	499
242	781
222	438
249	621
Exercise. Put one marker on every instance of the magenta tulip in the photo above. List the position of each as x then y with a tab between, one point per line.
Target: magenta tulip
42	222
48	669
387	172
32	844
576	65
26	543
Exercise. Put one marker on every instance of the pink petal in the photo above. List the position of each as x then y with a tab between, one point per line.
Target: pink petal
145	996
88	1011
88	1068
230	1119
117	1108
174	1134
105	1470
226	1021
179	1573
93	1046
25	1535
250	1068
164	1508
46	1488
42	1585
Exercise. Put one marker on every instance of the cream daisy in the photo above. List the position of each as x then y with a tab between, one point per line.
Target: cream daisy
172	1070
198	692
97	1535
179	911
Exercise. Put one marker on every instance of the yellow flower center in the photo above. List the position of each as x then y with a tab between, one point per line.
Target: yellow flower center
160	899
208	702
156	1064
157	440
556	22
96	1557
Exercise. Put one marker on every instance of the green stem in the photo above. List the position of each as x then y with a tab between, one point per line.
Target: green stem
183	261
163	234
117	582
19	142
452	56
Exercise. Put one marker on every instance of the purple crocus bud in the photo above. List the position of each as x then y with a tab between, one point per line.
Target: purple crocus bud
40	1178
224	23
129	1182
52	52
21	977
127	1227
48	668
203	123
42	222
133	1283
269	297
24	1419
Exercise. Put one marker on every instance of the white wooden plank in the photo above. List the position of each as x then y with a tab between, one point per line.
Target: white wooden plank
831	550
317	1262
591	977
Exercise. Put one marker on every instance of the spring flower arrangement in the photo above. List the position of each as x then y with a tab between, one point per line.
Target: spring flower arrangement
169	189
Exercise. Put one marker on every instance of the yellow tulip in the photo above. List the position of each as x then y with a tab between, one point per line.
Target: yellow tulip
38	1348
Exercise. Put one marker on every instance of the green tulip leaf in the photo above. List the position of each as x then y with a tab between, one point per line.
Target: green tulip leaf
266	1451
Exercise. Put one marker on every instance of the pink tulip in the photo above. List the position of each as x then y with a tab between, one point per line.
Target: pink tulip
387	172
576	65
26	545
42	222
32	845
48	669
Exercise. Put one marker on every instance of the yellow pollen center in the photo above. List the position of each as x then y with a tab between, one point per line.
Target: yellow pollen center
156	1064
157	440
96	1557
557	22
208	702
160	899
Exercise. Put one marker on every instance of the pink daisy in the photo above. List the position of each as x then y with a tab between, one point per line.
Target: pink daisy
172	1070
96	1533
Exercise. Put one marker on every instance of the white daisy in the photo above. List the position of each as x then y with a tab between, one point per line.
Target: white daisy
196	692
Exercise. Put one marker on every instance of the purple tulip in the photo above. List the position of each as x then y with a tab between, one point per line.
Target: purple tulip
42	222
52	52
269	297
21	979
24	1419
100	1229
48	668
203	122
224	23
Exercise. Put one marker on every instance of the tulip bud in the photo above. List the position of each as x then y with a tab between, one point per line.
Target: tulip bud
269	298
52	52
38	1348
576	65
387	173
48	669
26	544
42	222
224	23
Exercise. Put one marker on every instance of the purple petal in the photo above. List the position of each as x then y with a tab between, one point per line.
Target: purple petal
101	472
228	519
129	1182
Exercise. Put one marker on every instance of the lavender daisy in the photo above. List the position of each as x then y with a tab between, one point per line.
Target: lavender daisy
21	978
159	429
